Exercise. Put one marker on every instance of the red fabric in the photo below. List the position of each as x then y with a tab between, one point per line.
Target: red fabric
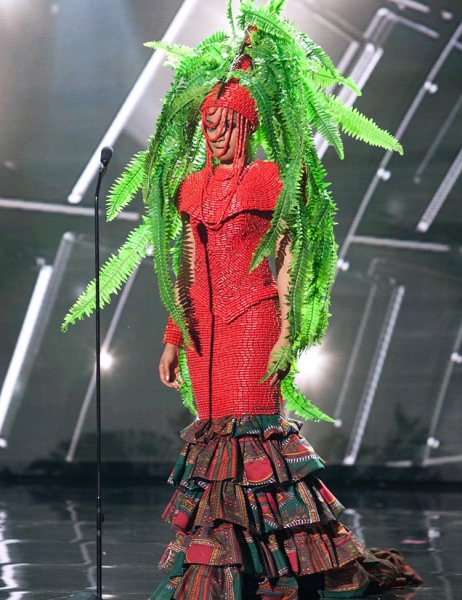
226	367
234	317
173	334
222	281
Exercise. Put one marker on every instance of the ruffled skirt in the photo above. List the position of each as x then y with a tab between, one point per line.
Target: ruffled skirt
252	522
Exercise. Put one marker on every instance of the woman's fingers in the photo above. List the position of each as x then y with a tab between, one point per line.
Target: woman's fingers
170	375
164	374
278	377
274	380
178	376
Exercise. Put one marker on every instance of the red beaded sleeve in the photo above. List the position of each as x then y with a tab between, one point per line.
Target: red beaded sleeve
173	334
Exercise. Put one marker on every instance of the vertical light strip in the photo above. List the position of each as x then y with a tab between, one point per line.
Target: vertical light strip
374	375
441	194
130	103
438	139
347	57
354	355
22	345
104	348
442	395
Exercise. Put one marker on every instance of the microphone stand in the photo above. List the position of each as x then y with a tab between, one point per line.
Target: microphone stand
106	155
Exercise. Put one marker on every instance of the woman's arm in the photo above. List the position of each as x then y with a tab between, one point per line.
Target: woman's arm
283	258
169	362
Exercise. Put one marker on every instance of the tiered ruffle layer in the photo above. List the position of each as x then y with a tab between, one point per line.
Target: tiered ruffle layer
252	521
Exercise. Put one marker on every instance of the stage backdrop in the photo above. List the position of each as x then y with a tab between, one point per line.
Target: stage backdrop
75	76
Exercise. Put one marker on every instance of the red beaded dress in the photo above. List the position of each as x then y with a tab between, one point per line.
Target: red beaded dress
251	520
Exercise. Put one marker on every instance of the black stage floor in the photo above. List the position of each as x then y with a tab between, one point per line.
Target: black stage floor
47	538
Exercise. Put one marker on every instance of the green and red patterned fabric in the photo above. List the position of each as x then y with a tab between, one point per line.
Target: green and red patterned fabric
252	521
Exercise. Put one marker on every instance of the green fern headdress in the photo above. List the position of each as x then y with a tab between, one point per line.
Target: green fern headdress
288	81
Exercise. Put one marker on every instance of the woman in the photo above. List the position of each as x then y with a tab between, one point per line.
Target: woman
251	519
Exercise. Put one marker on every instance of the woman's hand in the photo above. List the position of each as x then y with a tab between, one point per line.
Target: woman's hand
169	370
279	375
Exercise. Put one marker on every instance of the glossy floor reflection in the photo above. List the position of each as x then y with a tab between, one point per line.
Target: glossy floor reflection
47	538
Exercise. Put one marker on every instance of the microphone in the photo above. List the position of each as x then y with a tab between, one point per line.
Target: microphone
106	155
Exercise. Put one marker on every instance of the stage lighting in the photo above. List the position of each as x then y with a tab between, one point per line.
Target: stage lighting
434	443
107	360
456	358
343	265
310	365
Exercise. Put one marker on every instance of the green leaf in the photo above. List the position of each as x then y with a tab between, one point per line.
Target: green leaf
276	6
267	21
125	187
324	78
282	359
175	52
186	390
322	121
113	274
316	54
358	126
296	402
230	16
211	48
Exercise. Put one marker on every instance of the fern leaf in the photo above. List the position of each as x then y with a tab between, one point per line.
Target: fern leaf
175	52
315	53
296	402
229	13
113	274
218	37
125	187
276	6
358	126
281	360
325	79
322	121
265	20
266	112
211	48
286	200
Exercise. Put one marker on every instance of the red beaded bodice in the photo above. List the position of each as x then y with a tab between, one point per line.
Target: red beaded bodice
227	229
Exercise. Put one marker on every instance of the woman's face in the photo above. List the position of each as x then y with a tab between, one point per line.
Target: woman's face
216	147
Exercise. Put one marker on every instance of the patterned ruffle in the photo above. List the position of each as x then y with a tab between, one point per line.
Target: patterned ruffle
229	583
250	518
249	451
261	510
287	552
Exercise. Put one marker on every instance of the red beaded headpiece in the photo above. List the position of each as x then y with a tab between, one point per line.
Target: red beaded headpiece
235	97
235	109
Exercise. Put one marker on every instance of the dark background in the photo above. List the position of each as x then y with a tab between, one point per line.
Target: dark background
390	368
